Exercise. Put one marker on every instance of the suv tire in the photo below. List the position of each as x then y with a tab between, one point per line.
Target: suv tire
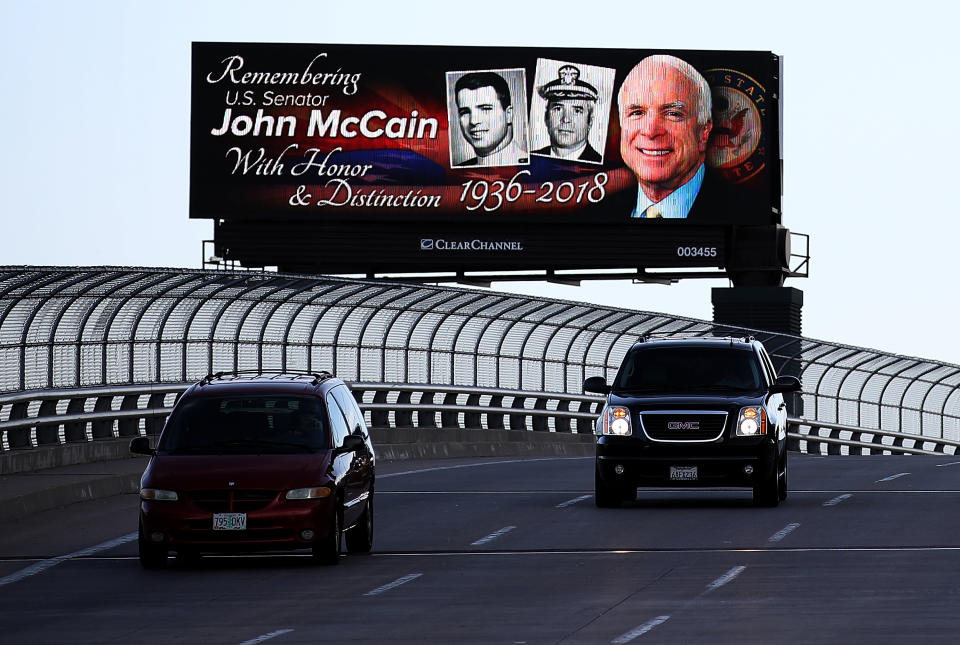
766	491
782	479
605	496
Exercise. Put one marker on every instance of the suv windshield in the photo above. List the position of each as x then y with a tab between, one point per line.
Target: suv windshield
689	370
208	425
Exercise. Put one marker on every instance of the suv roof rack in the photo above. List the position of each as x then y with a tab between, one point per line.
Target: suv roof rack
706	335
318	376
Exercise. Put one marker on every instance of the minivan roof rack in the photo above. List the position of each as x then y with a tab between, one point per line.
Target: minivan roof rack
318	375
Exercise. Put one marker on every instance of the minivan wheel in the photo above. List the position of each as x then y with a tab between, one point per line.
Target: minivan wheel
360	537
151	555
327	551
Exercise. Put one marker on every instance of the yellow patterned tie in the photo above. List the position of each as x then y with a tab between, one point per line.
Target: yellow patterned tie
652	211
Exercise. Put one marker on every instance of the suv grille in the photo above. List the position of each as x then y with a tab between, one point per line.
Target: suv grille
673	425
232	501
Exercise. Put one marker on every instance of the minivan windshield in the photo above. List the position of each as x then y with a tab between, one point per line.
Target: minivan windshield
689	370
212	425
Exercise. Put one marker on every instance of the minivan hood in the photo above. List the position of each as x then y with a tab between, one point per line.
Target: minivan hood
264	472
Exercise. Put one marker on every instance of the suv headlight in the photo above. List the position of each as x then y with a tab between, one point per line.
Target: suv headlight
616	421
752	422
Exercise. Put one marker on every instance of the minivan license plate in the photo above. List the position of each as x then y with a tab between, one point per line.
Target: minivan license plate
229	521
683	473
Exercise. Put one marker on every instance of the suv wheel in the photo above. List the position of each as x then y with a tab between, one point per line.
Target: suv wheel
151	555
782	479
327	551
766	491
605	496
360	537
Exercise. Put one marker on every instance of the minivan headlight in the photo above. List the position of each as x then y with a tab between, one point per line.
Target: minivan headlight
752	422
616	422
315	492
159	494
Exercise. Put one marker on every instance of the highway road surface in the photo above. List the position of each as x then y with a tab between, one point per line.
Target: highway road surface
513	551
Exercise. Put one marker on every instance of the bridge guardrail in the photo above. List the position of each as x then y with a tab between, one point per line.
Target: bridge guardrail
30	420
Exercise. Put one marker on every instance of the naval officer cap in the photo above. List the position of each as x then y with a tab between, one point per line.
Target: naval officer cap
568	86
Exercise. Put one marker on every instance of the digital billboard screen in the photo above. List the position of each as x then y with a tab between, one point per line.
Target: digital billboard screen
345	158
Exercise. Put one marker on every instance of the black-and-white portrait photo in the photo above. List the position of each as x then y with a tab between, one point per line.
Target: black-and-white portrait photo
570	110
488	120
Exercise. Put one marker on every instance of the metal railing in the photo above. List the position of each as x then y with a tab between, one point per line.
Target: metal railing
118	327
61	417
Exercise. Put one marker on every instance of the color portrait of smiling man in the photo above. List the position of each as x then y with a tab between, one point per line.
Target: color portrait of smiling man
665	122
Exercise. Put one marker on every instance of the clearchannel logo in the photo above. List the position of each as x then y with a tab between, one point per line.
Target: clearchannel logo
469	245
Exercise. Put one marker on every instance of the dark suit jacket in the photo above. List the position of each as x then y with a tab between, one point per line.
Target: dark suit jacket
718	202
588	154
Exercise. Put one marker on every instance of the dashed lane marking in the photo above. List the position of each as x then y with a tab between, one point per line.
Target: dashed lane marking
393	585
784	532
493	536
266	637
892	477
837	500
639	631
571	502
49	563
729	576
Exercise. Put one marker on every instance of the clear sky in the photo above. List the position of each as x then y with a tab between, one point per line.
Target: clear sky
95	108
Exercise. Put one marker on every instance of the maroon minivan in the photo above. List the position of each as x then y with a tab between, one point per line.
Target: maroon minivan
258	462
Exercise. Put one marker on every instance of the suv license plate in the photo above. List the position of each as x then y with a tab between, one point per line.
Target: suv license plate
683	473
229	521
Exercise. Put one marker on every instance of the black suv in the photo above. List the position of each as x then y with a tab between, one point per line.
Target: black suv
254	462
693	412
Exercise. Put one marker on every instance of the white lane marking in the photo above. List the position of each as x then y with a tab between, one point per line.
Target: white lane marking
892	477
729	576
266	637
837	500
392	585
493	536
571	502
582	552
952	463
43	565
484	463
784	532
639	631
478	492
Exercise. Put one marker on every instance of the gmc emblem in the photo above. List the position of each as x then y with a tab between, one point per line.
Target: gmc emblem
683	425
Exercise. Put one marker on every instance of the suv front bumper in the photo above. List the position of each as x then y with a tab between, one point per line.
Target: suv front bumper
623	463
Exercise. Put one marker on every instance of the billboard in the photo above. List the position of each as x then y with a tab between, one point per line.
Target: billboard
362	158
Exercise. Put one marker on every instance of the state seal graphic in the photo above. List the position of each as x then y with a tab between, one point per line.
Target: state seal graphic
737	145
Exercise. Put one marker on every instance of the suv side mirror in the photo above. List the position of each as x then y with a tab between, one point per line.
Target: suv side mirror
785	384
596	384
141	446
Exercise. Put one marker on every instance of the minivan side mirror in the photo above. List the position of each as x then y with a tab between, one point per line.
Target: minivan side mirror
785	384
141	446
597	385
352	443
